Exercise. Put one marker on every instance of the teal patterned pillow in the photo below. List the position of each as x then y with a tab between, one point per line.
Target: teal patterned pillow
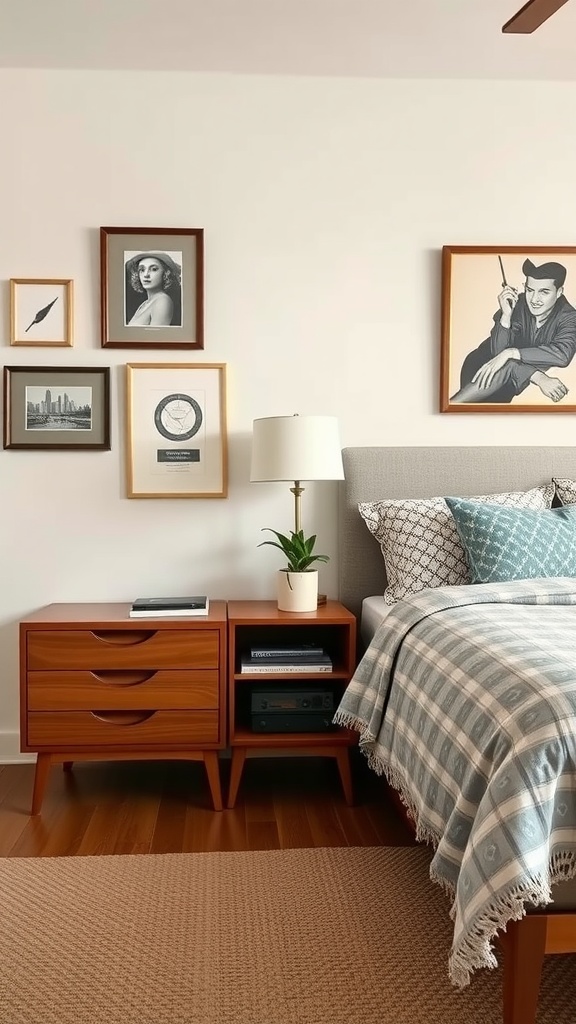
503	543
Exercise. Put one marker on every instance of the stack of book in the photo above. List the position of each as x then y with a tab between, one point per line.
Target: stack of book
282	660
155	607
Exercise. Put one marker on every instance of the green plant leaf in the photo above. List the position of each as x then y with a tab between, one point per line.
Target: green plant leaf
298	549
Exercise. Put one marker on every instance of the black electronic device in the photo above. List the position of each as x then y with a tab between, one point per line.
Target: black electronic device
292	722
293	699
291	709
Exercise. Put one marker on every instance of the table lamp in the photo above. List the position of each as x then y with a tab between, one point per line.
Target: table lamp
296	448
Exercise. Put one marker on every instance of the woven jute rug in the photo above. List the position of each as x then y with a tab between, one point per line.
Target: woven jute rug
314	936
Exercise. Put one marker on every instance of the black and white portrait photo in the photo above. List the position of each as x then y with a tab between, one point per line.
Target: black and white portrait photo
508	329
58	408
153	289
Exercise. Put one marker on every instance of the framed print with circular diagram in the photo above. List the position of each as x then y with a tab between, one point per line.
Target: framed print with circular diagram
176	430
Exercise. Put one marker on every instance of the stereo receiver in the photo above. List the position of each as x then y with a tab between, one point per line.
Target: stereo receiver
291	709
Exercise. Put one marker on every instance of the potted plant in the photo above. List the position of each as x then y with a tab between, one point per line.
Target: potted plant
297	583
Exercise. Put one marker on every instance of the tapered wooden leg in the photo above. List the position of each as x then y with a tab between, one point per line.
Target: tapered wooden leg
213	773
524	945
343	761
43	763
236	768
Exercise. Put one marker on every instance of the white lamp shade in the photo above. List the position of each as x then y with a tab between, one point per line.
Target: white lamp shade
296	448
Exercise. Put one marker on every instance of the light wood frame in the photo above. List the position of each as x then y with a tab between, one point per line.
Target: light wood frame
478	282
33	300
176	430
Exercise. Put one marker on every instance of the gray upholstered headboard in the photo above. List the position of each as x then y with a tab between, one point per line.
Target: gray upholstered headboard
373	473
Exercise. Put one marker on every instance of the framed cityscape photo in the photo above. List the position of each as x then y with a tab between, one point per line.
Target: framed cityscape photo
508	329
41	312
176	430
152	287
57	408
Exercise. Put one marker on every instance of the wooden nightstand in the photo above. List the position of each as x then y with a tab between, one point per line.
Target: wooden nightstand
97	685
260	623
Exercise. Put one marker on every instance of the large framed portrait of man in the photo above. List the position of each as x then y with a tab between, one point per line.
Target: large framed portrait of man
508	329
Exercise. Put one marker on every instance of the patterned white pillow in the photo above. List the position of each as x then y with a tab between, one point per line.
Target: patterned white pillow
420	542
565	490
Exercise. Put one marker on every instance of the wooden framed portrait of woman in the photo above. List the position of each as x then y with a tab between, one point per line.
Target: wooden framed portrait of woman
152	285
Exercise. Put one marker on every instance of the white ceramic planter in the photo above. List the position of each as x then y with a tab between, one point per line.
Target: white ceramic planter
297	591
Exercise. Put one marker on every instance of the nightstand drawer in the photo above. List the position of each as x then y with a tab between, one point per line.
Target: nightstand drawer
98	685
123	689
122	729
122	649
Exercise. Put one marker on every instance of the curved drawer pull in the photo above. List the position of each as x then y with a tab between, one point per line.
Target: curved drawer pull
130	677
120	638
122	717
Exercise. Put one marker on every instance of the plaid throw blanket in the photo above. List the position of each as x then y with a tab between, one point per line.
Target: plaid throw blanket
466	701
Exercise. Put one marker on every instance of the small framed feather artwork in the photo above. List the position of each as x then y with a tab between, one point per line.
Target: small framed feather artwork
41	312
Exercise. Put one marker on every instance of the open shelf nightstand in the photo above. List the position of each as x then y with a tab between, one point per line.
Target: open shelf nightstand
331	627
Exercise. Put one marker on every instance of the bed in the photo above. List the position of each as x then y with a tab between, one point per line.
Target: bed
533	926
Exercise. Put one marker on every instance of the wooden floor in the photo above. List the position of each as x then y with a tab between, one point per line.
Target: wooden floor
164	807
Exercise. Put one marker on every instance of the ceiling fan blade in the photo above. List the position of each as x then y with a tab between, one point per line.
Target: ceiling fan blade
532	15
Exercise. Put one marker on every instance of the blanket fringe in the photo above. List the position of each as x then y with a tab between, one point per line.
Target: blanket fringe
423	833
476	950
350	721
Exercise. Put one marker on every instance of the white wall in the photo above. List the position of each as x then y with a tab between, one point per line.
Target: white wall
325	204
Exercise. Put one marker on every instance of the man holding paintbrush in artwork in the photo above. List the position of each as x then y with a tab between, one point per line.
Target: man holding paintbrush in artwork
533	331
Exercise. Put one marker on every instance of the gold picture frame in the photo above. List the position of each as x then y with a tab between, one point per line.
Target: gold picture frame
41	312
176	439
